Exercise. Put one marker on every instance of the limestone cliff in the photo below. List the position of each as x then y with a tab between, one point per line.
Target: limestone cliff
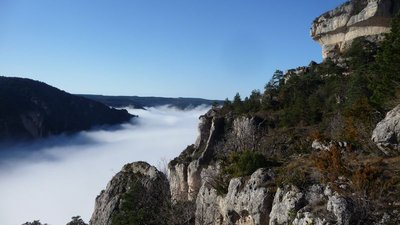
195	195
308	179
217	137
336	29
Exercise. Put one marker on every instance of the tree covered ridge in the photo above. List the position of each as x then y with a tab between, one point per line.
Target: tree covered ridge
359	90
33	109
335	104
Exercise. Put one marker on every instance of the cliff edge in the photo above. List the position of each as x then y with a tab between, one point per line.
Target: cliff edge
335	30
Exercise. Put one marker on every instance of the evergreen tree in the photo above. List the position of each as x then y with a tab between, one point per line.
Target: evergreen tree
76	220
387	71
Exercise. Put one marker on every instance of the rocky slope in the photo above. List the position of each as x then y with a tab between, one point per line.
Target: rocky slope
336	29
248	167
196	183
32	109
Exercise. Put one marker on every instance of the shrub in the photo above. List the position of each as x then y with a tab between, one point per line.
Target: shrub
330	164
366	177
295	173
374	180
35	222
296	177
245	163
77	220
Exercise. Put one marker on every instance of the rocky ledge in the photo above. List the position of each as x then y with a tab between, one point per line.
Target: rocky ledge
336	29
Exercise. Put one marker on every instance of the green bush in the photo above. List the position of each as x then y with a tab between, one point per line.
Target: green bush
245	163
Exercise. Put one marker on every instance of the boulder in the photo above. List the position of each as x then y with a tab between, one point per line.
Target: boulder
247	202
386	134
316	205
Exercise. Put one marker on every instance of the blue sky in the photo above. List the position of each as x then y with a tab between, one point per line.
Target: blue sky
187	48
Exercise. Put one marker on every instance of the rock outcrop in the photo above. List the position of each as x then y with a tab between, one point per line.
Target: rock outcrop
138	190
316	205
217	136
184	171
336	29
247	202
386	134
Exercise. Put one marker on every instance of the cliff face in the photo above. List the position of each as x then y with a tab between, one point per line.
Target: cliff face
195	192
336	29
32	109
253	200
307	177
218	136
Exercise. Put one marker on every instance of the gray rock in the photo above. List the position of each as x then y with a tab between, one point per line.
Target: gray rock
316	205
320	145
340	207
287	202
386	134
247	202
308	218
177	176
153	192
184	175
208	210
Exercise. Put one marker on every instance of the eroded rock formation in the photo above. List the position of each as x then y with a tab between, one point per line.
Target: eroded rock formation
316	205
247	202
336	29
217	136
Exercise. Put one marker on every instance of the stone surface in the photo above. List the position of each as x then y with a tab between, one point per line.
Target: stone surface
317	205
340	207
154	191
336	29
309	218
185	170
177	176
286	203
246	202
387	132
213	139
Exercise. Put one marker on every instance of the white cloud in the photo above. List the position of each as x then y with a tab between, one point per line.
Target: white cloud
64	175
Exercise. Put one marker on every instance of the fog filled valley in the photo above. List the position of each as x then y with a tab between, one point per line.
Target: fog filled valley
310	143
59	177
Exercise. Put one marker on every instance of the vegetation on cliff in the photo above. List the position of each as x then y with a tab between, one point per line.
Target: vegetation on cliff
335	105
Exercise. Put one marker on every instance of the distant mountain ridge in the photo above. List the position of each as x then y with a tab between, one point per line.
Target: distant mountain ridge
141	102
32	109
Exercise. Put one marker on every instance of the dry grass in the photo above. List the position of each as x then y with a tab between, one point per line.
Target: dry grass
330	164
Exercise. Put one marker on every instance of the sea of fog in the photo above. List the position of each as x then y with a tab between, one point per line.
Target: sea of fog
64	175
